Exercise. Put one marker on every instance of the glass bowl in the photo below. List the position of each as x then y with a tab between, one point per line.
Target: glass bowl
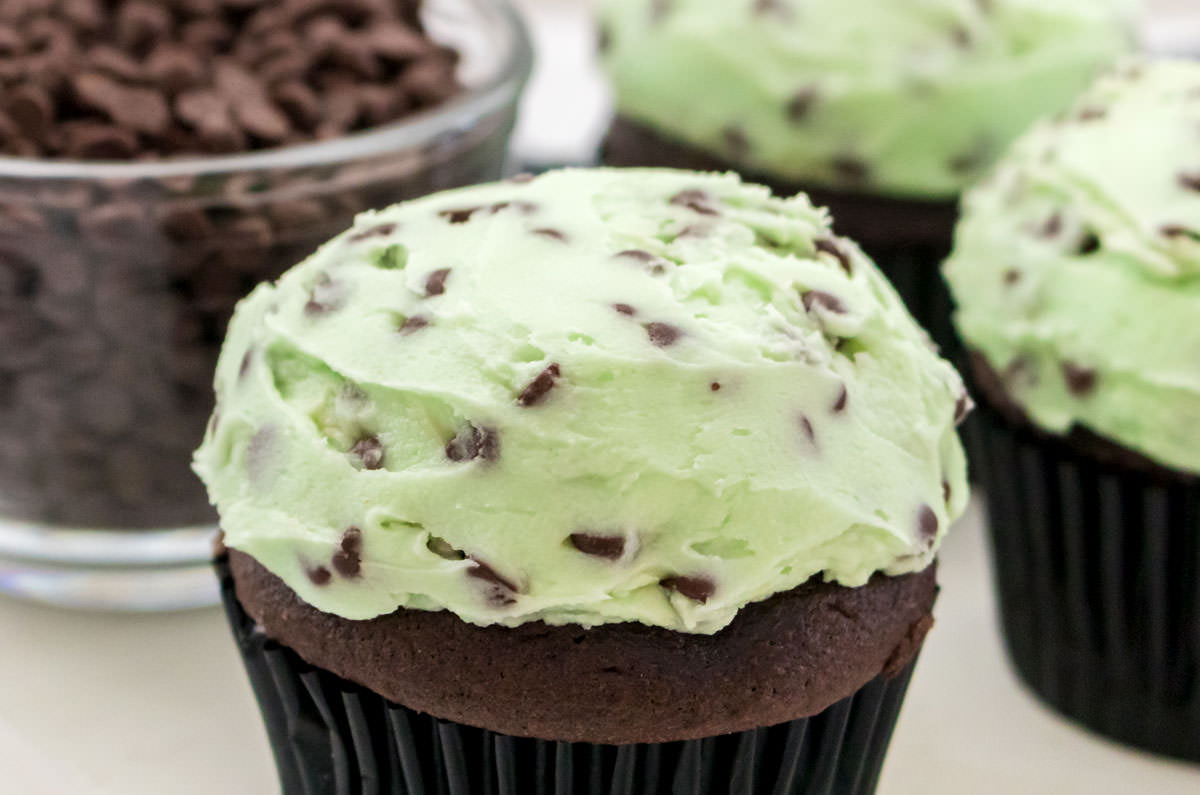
116	284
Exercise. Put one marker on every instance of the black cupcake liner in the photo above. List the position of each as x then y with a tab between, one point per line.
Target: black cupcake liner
1097	565
333	737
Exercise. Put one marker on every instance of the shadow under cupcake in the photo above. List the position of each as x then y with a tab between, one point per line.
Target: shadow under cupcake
610	481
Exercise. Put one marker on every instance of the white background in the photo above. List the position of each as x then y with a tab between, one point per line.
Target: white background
98	704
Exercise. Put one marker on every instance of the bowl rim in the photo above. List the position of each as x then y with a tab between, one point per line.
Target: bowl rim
456	114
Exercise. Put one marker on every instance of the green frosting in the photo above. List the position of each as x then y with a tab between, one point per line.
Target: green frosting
1077	265
913	98
598	396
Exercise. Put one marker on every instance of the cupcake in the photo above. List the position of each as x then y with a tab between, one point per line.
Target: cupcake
618	476
1075	272
882	111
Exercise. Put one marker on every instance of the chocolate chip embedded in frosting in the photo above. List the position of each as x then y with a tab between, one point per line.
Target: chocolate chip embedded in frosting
347	561
318	575
1189	180
1178	230
1088	244
850	170
1053	226
946	492
696	200
839	405
625	309
539	387
1011	277
698	589
715	386
413	323
247	363
830	246
800	106
503	590
819	299
472	442
435	283
610	547
927	524
806	427
459	216
777	7
1081	381
379	230
551	234
663	334
1091	114
637	254
369	451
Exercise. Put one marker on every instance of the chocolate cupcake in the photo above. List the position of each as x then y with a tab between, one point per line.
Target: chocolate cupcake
1075	272
881	111
612	480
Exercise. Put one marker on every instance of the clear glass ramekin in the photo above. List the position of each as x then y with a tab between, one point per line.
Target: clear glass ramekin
116	284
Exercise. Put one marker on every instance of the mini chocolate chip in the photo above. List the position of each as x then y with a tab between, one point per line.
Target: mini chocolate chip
830	246
482	571
318	575
460	216
637	254
553	234
1190	180
801	104
1081	381
850	170
946	491
927	524
472	443
962	407
715	386
1053	226
694	230
379	230
696	200
807	427
539	387
601	546
1091	114
625	309
370	451
961	37
347	561
698	589
663	334
413	323
777	7
736	141
247	361
1089	244
823	300
523	207
843	398
1012	276
442	548
1178	230
435	283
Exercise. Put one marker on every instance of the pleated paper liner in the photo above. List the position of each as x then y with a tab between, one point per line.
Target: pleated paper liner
1098	571
332	737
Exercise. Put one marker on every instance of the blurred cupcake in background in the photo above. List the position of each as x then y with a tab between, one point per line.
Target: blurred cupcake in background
616	480
1076	271
883	111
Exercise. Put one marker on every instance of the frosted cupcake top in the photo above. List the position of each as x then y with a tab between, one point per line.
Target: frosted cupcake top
911	98
600	396
1077	265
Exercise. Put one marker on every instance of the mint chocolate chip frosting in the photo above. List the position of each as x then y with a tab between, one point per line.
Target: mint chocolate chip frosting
911	99
1077	265
598	396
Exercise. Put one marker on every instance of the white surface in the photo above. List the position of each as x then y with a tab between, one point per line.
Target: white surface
95	704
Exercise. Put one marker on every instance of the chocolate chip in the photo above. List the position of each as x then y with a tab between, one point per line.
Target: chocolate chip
962	407
601	546
715	386
1088	244
946	493
140	109
472	442
696	200
927	524
552	234
378	230
800	106
505	588
1053	226
1189	180
843	398
247	361
318	575
1081	381
830	246
776	7
850	170
540	387
625	309
459	216
413	323
1091	114
435	283
1178	230
369	451
961	37
636	254
698	589
1012	276
663	334
806	426
822	300
347	561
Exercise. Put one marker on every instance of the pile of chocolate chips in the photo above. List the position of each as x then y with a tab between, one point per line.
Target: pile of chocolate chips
115	293
142	79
